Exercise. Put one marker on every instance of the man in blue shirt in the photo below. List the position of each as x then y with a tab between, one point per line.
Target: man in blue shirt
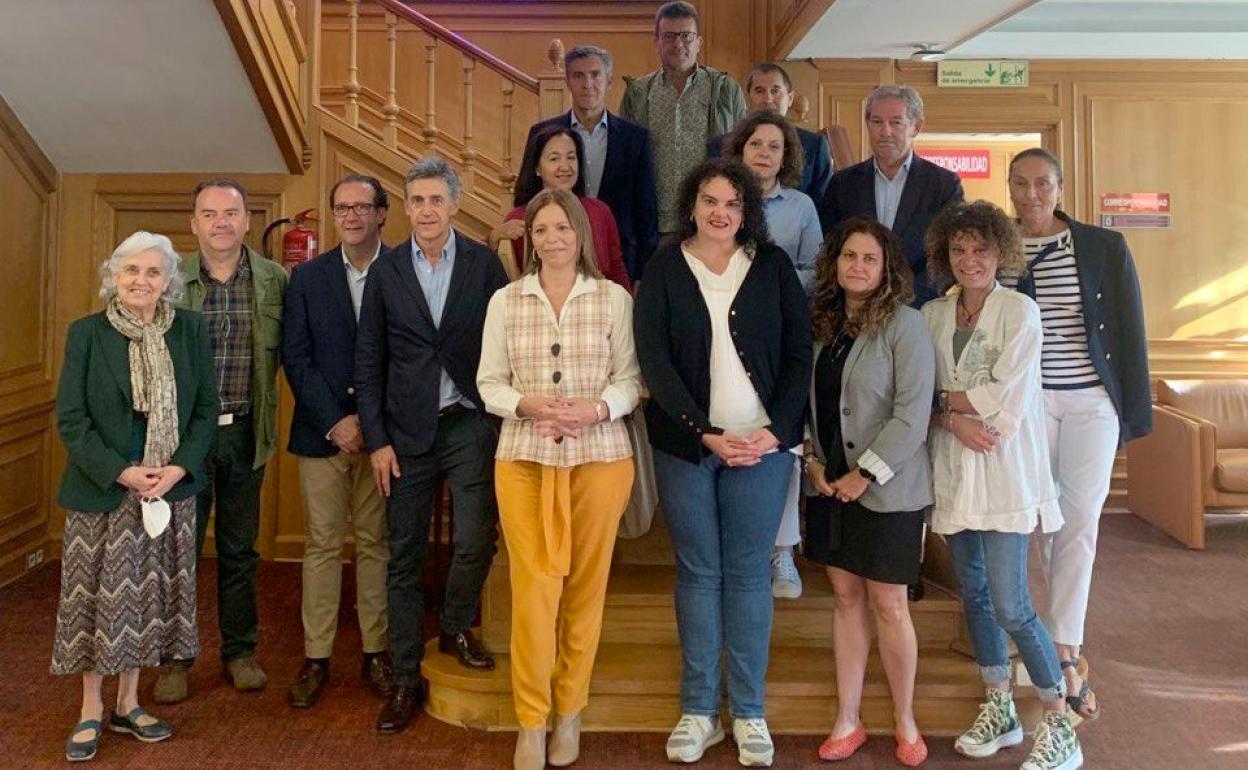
416	356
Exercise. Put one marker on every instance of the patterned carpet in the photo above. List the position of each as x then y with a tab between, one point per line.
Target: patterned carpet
1166	642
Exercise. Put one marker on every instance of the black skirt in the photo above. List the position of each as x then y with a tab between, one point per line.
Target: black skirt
884	547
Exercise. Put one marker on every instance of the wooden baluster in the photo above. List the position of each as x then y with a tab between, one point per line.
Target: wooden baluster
391	133
508	177
431	127
353	69
468	174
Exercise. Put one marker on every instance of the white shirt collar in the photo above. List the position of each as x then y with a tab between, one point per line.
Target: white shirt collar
577	124
351	268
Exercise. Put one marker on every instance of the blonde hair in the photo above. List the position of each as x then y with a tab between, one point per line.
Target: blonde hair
586	261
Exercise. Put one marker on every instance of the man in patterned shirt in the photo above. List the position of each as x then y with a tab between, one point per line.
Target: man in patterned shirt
683	104
240	295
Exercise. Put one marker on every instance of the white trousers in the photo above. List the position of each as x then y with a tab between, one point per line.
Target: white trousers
1083	439
790	533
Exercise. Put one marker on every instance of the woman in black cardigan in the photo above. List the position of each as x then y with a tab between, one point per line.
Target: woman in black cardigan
723	337
1097	397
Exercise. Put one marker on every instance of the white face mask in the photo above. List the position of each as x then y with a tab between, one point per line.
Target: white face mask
156	514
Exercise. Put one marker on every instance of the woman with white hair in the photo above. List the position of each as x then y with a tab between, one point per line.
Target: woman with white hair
136	411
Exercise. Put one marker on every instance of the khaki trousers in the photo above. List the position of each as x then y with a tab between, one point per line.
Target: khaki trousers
336	489
558	578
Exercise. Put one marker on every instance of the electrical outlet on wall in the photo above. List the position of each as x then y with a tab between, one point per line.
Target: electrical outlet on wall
34	559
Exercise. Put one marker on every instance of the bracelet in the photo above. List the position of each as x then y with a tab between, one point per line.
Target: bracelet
942	401
808	458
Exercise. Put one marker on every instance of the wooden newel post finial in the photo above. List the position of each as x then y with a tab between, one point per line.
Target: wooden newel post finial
801	105
554	52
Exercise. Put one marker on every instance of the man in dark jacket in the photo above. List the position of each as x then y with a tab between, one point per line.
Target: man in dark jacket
618	167
318	350
894	186
416	356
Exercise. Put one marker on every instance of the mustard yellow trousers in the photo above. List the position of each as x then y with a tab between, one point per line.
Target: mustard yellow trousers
559	525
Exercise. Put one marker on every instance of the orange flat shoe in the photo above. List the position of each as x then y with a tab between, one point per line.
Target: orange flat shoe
836	749
911	754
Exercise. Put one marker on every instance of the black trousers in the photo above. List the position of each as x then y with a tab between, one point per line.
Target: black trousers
464	451
234	487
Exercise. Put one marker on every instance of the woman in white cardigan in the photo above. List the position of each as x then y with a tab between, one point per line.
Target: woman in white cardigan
990	471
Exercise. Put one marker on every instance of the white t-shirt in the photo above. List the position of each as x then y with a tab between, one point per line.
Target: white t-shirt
735	405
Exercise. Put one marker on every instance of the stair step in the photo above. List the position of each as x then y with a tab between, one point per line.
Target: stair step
640	608
636	687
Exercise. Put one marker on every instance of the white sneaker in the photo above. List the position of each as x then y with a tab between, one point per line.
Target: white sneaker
754	747
786	581
692	737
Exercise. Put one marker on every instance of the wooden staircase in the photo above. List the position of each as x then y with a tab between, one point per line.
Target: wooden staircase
636	683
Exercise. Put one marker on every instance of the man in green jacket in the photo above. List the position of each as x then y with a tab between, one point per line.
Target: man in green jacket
683	104
240	295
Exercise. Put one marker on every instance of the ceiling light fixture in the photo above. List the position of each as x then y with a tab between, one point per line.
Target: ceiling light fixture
927	52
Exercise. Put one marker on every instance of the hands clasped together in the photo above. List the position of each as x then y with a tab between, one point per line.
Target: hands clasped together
151	482
558	418
740	451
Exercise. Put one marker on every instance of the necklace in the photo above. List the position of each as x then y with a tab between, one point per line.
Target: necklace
968	317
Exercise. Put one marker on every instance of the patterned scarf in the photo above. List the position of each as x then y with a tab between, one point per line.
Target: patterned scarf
151	377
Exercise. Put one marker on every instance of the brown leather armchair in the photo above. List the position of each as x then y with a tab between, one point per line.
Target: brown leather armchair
1196	458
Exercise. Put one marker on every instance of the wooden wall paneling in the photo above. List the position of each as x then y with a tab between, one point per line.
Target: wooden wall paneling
1194	274
788	21
28	188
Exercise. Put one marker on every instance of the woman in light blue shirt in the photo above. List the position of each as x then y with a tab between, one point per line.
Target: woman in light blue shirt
769	146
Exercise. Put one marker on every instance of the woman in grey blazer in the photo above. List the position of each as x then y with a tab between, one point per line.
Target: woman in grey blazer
867	468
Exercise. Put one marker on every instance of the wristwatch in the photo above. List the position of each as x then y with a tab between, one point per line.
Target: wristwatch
866	474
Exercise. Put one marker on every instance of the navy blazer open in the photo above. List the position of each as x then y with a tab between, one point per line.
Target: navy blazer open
400	353
318	351
929	188
627	187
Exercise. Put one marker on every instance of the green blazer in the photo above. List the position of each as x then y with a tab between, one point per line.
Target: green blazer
95	409
269	283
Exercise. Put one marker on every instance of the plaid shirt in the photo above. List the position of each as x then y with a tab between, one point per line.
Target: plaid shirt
227	310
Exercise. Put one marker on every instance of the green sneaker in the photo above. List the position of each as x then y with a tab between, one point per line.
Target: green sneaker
1056	746
995	728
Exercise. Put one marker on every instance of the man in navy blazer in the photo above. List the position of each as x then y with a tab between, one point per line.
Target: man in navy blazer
619	169
894	186
416	357
768	87
318	351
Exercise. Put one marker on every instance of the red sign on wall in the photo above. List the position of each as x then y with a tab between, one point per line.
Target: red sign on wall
1136	203
968	164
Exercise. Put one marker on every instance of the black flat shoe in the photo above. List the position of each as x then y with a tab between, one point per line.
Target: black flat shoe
153	733
399	709
313	676
467	649
81	751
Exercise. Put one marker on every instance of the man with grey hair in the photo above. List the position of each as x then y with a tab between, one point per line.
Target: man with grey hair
618	168
416	355
894	186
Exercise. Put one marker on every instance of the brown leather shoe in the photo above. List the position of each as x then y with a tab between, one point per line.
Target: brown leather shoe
467	648
378	673
313	676
171	686
246	674
399	708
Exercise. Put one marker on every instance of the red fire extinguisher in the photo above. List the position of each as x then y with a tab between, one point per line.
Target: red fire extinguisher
299	244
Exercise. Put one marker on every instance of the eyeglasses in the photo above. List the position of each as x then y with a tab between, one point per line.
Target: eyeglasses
361	209
684	37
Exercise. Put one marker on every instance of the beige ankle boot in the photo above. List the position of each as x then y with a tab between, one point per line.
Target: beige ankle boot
565	741
530	749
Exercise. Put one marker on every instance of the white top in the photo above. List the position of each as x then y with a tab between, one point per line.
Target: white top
735	405
356	278
494	373
1011	488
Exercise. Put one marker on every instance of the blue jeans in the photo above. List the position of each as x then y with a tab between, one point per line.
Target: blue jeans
992	568
723	522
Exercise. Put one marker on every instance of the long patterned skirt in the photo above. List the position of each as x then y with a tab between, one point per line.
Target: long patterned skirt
127	599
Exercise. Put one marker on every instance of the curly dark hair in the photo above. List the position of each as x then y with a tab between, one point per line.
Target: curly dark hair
790	164
828	304
528	183
982	220
753	228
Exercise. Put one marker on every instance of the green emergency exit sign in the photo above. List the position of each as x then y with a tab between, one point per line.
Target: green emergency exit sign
983	73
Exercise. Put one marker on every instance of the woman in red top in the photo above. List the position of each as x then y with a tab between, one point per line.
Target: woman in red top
554	160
